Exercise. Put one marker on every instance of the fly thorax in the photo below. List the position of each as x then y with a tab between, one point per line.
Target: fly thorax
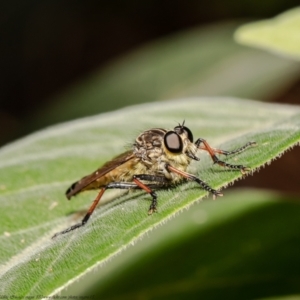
148	146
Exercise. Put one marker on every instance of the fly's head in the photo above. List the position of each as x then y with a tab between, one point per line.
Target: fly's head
160	145
178	144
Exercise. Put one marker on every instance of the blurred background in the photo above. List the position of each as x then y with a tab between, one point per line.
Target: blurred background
62	60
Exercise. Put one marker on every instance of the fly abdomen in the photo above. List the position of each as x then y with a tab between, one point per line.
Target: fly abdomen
70	190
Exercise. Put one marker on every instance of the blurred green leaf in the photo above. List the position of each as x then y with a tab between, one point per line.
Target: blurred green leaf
279	35
36	171
200	62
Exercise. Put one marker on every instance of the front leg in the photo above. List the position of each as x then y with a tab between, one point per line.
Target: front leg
203	145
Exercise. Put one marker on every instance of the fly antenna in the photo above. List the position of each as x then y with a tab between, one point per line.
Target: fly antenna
181	125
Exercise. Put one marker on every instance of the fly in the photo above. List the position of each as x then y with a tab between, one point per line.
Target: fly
158	159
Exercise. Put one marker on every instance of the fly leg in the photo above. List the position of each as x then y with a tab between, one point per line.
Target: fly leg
160	180
116	185
86	217
203	145
137	184
191	177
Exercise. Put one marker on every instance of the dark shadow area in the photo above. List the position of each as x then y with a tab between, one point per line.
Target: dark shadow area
48	46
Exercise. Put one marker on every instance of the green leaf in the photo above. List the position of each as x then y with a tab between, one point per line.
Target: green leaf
280	35
244	247
36	171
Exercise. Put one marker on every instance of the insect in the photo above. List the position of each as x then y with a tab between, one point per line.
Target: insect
158	159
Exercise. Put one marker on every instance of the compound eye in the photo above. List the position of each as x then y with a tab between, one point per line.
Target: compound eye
188	133
186	130
173	142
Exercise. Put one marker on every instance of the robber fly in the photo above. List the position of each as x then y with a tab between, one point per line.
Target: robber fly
158	159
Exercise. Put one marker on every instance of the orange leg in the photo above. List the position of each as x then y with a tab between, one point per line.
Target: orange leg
203	145
160	181
188	176
153	205
86	217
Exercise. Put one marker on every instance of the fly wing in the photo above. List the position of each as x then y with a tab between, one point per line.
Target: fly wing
78	186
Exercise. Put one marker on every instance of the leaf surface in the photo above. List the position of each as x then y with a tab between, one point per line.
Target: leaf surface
36	170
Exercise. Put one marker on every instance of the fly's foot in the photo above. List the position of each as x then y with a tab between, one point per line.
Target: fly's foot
152	210
244	170
216	194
